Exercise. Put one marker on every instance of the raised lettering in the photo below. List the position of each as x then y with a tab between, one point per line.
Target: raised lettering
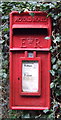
23	43
24	19
30	41
37	43
31	19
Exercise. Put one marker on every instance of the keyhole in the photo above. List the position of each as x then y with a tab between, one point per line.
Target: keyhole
18	78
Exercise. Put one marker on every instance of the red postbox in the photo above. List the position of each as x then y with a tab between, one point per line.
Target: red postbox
30	61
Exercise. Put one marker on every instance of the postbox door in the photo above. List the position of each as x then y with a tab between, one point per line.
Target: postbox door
30	99
30	71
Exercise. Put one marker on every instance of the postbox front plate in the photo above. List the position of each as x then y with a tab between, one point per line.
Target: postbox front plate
29	61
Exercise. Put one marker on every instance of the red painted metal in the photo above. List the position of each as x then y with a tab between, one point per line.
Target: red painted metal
27	35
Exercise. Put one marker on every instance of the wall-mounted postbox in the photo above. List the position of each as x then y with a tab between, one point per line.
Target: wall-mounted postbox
29	61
